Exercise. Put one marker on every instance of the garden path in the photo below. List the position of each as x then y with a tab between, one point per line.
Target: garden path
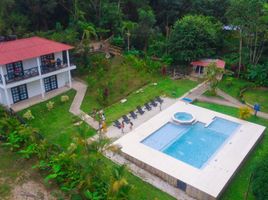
81	89
228	101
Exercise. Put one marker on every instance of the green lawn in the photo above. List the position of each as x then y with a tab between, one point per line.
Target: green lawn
252	95
238	186
233	86
119	78
258	95
57	125
164	86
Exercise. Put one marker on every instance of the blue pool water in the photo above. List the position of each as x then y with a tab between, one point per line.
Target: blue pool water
192	144
183	116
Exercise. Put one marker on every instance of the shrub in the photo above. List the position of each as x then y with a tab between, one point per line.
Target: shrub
245	112
260	180
258	74
50	105
64	98
28	115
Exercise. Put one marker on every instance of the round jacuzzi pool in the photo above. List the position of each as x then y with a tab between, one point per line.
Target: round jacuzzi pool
183	118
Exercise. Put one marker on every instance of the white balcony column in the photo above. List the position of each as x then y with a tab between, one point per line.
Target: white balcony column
41	79
5	89
69	72
68	58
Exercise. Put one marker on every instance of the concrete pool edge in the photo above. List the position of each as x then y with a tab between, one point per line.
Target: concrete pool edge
201	180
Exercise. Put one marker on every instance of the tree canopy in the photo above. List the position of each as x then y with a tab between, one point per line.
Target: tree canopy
193	37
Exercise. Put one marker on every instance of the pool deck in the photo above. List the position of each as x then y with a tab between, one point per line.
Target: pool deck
214	176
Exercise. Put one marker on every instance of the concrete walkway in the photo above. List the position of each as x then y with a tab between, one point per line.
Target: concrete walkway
38	99
228	101
81	89
196	92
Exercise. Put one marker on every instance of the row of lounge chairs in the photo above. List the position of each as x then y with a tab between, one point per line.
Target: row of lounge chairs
133	115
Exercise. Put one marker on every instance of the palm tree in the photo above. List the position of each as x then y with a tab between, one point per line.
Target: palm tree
214	75
119	188
89	31
128	27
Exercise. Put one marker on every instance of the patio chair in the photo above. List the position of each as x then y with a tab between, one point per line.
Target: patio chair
147	107
126	119
153	103
117	124
158	99
133	115
139	110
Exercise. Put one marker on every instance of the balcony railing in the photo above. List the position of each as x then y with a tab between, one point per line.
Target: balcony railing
28	73
52	67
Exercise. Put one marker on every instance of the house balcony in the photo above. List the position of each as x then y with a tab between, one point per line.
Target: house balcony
25	74
45	69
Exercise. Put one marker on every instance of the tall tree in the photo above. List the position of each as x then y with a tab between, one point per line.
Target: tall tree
128	27
145	27
250	16
194	37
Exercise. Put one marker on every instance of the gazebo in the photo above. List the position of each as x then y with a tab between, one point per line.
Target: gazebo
200	65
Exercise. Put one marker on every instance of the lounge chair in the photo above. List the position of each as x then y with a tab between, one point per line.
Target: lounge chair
147	107
126	119
139	110
133	115
117	124
158	99
153	103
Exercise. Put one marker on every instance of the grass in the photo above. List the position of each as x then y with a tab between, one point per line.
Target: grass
56	125
258	95
165	86
119	78
237	189
251	95
234	86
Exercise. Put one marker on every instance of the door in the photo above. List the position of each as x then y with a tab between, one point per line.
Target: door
19	93
14	70
50	83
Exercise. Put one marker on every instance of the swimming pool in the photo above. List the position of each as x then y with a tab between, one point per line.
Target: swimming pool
193	144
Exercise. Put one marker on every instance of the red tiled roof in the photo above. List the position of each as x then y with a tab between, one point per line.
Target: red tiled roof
22	49
206	62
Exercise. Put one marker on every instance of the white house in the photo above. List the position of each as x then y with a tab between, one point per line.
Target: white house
31	67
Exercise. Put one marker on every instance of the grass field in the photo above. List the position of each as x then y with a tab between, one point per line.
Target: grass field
258	95
57	125
238	187
120	79
164	86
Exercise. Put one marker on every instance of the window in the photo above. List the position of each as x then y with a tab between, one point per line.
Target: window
14	70
19	93
45	59
181	185
50	83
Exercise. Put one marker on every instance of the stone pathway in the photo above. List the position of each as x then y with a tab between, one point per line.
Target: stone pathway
81	89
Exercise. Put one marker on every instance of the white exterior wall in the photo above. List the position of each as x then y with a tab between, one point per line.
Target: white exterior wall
30	63
2	97
34	88
58	55
63	79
